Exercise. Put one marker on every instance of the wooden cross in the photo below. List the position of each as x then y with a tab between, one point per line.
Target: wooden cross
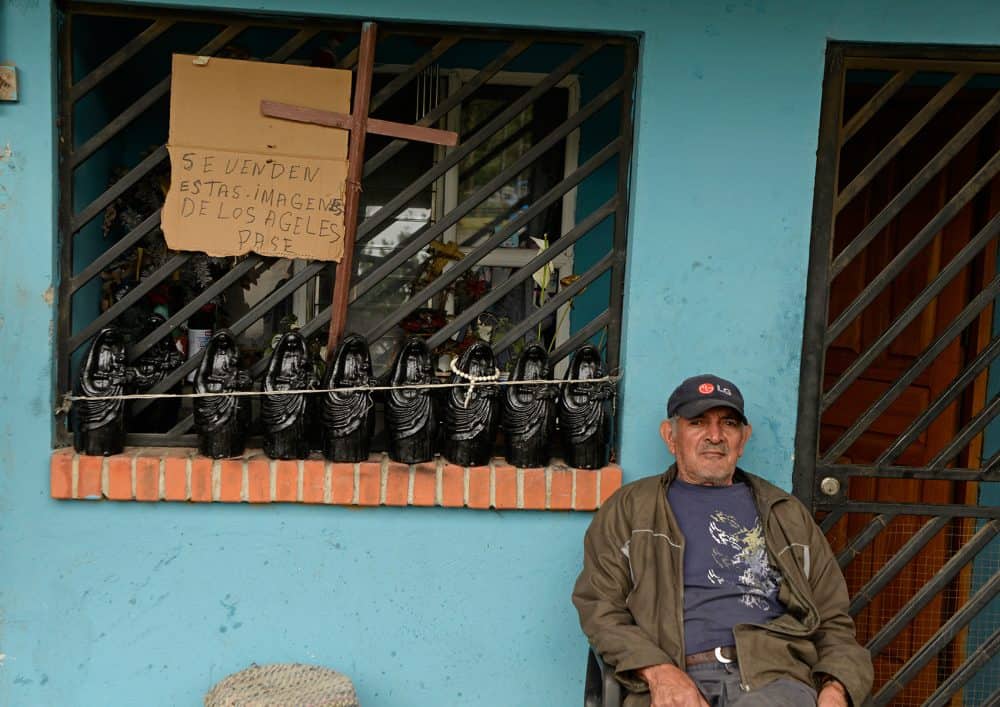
359	124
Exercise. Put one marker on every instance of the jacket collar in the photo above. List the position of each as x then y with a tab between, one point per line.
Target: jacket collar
765	493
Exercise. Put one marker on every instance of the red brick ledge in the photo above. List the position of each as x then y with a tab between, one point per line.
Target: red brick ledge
180	474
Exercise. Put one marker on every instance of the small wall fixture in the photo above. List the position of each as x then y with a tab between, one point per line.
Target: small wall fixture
8	82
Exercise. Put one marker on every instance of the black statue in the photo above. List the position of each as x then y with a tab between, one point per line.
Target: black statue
585	411
472	413
529	411
409	414
150	368
221	420
99	425
349	417
285	418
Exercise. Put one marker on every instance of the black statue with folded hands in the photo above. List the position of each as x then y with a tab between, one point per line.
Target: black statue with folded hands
585	411
221	420
99	423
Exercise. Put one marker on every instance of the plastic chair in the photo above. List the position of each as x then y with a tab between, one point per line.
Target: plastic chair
600	689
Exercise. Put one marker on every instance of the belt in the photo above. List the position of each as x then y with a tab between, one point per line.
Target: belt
722	654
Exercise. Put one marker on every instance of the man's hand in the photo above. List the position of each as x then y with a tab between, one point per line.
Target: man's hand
670	686
833	694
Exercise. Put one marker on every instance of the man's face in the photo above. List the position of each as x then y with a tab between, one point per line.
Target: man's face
706	447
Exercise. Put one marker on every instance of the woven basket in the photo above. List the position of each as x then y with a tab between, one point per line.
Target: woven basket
283	685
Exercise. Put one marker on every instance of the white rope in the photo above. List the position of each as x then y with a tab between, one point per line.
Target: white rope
69	399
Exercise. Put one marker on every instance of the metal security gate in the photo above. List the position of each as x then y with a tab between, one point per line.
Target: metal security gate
898	447
545	124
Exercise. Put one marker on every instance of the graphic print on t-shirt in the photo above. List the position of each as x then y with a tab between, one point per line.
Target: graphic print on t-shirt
739	549
728	578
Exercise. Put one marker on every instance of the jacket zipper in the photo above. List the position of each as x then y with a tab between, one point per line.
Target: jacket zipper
792	588
678	578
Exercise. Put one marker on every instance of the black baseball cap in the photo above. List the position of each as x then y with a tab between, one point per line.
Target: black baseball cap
700	393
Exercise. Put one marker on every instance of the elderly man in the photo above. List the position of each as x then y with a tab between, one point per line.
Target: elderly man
707	585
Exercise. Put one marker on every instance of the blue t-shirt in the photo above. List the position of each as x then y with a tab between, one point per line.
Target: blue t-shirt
728	579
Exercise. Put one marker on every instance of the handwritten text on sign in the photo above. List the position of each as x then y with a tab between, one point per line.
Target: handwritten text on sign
229	203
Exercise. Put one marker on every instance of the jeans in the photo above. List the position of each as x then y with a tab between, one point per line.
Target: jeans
720	684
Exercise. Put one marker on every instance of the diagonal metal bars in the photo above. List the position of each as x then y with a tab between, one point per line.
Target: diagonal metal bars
930	650
946	398
526	271
864	538
140	106
972	428
481	250
897	143
119	58
919	365
932	588
876	102
916	307
413	245
917	184
916	246
395	205
149	225
237	328
454	100
957	680
917	542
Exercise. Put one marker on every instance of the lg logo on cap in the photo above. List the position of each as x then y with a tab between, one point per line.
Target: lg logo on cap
708	389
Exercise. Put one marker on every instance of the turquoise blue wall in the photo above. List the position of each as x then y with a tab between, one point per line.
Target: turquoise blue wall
130	604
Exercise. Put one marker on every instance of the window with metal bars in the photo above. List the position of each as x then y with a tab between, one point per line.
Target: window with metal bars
515	235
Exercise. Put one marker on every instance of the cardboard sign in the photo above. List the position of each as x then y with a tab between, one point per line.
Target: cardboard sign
241	181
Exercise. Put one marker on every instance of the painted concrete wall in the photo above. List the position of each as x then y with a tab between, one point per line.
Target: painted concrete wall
130	604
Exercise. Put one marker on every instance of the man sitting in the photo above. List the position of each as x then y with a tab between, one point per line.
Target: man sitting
707	585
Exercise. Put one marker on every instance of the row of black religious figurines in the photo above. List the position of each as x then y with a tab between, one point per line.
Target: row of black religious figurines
420	415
